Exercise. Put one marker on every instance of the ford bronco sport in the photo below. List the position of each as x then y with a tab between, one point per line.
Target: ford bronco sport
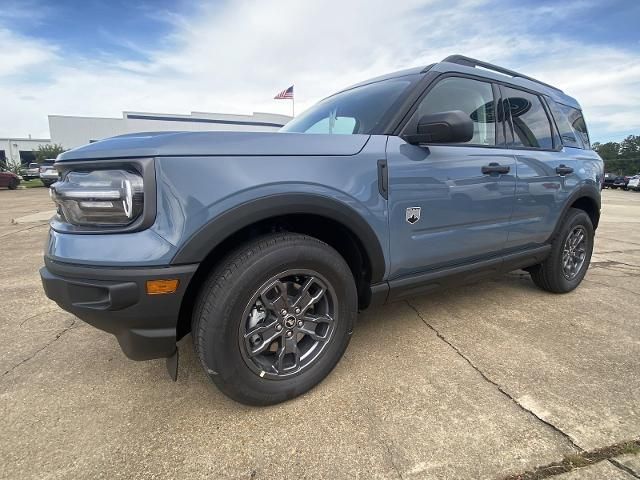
399	185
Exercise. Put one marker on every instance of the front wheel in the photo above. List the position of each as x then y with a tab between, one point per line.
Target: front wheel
571	249
274	318
14	184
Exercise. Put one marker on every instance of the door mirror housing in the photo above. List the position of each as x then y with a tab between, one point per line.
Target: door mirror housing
454	126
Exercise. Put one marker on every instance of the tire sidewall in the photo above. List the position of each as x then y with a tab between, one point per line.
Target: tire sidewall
219	345
575	218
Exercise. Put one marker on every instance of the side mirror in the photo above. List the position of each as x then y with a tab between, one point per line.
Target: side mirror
443	127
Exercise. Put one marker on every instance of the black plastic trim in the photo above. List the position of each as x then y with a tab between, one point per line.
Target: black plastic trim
591	192
445	277
557	145
383	179
379	294
196	248
144	166
115	300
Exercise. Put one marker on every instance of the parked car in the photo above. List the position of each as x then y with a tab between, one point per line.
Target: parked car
48	173
634	183
619	182
609	180
9	179
31	172
265	245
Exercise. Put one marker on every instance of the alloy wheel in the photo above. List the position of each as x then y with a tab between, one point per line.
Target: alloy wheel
574	252
288	323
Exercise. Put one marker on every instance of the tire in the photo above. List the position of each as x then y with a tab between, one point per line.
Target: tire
550	274
13	184
231	296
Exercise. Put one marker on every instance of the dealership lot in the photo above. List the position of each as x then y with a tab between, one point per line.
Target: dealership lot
476	382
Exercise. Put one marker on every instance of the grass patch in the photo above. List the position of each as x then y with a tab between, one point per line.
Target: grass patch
36	182
578	460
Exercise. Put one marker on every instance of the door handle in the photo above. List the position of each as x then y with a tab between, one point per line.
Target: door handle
495	168
564	170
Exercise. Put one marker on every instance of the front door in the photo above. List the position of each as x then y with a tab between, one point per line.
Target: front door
450	204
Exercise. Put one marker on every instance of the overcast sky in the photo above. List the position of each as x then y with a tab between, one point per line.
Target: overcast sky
100	57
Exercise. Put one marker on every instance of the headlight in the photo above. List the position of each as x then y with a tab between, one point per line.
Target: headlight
99	197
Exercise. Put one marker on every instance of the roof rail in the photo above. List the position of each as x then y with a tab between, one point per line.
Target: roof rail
472	62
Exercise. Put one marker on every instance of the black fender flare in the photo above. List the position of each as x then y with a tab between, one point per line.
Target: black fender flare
200	244
590	191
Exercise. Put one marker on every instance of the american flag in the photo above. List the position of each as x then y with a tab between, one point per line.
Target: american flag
288	93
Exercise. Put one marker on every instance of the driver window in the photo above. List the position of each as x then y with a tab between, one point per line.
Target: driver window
473	97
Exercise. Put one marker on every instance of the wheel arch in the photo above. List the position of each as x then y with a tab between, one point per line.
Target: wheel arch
587	199
327	219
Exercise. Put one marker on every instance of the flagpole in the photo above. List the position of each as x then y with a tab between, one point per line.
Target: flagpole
293	107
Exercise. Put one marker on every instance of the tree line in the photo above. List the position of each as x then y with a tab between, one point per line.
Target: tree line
621	158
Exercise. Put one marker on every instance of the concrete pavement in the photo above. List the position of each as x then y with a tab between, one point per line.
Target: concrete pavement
477	382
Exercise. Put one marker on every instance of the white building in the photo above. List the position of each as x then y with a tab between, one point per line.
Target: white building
20	150
71	132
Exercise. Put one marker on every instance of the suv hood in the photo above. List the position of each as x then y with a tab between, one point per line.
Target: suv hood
157	144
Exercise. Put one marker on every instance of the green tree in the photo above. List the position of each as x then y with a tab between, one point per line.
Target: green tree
51	150
621	158
630	147
608	151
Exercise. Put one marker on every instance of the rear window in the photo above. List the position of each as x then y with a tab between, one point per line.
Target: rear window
33	165
570	122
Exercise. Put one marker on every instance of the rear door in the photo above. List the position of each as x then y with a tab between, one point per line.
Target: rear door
544	169
443	209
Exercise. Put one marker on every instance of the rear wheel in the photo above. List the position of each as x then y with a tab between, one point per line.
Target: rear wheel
275	318
567	264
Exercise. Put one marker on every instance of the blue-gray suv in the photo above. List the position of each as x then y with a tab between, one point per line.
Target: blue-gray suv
266	245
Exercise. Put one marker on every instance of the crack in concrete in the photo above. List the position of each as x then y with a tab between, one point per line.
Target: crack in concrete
392	460
24	229
623	467
550	425
612	286
36	315
584	459
618	240
605	252
613	264
48	344
384	442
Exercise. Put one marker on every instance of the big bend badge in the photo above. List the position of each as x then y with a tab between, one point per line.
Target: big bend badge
413	215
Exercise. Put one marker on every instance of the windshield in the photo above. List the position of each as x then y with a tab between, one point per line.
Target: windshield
358	110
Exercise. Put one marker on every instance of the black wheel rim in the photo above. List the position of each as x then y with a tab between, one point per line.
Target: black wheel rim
288	323
574	252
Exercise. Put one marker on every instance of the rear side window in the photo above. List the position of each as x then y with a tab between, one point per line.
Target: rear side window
567	134
473	97
531	127
575	118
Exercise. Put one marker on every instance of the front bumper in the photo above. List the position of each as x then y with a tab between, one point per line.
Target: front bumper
115	300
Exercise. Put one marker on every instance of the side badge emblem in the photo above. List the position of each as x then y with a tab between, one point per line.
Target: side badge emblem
413	215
